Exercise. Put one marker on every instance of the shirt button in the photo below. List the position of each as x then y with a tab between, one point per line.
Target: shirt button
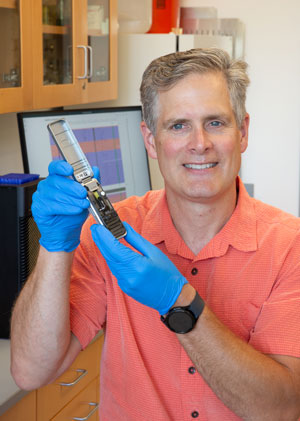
195	414
192	370
194	271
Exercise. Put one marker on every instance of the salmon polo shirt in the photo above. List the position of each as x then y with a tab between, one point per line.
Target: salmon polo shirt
249	276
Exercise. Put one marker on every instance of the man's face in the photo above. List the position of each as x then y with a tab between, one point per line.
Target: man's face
197	143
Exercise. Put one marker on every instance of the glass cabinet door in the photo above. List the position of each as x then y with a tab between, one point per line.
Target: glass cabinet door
98	27
16	58
75	52
57	42
10	45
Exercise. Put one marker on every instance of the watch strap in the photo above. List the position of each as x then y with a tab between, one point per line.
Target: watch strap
196	306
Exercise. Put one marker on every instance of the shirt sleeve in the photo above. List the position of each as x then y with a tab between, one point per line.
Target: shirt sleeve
277	329
87	289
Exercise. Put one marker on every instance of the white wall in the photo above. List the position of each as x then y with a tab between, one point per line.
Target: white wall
272	50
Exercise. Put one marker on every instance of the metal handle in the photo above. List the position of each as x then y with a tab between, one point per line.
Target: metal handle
84	76
91	62
78	370
96	406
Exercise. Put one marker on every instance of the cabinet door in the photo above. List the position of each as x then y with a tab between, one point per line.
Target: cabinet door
51	398
15	63
84	406
57	53
98	23
75	51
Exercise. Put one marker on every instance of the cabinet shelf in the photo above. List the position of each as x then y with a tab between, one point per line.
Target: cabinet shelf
8	4
54	29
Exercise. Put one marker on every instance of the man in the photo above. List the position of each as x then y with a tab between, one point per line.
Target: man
223	269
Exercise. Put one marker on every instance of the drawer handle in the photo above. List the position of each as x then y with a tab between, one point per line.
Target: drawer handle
91	62
95	405
78	370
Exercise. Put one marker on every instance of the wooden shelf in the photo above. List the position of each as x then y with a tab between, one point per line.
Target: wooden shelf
53	29
8	4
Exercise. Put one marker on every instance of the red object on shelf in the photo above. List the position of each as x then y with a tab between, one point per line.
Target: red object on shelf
165	16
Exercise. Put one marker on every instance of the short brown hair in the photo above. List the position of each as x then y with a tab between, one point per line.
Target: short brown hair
164	72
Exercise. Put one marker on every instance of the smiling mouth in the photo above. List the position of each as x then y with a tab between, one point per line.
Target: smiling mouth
200	166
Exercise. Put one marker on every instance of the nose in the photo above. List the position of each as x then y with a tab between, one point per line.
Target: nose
199	140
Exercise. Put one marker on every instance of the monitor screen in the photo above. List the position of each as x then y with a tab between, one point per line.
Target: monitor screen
109	137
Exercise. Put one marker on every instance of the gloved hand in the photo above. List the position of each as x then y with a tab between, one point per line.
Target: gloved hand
59	208
150	278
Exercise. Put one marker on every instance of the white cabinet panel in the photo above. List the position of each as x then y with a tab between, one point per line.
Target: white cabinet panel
136	51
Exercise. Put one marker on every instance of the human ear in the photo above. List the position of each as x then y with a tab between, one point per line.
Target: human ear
149	140
244	133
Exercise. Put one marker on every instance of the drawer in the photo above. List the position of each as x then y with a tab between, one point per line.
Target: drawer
86	367
83	407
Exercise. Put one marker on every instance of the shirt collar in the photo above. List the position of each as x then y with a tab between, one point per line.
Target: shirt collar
239	232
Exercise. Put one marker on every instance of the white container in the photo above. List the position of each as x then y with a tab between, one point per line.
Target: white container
134	16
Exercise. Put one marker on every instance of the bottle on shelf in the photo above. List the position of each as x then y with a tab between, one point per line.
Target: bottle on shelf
60	15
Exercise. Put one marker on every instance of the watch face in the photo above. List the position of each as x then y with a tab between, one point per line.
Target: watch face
181	321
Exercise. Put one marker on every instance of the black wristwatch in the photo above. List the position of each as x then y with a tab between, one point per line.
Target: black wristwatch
183	319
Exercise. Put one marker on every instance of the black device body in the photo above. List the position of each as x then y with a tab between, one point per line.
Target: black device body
19	245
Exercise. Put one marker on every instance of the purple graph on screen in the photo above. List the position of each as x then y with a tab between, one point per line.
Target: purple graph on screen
101	146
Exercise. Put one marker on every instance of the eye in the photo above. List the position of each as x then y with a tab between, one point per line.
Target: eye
215	123
178	126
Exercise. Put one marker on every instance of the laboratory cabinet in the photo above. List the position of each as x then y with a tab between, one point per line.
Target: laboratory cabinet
16	64
57	53
74	395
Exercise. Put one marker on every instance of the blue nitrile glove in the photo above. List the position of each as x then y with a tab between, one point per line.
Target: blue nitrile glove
59	208
150	278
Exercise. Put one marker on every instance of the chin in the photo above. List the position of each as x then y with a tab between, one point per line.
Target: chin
204	190
200	195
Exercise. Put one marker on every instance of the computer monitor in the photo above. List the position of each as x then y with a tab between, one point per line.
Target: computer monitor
110	138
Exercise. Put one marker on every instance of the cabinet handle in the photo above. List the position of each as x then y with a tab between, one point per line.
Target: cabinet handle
95	405
91	62
84	76
78	370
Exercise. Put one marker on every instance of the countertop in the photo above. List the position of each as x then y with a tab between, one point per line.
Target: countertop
10	393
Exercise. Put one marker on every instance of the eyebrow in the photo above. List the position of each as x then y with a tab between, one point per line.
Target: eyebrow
173	121
210	117
221	116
